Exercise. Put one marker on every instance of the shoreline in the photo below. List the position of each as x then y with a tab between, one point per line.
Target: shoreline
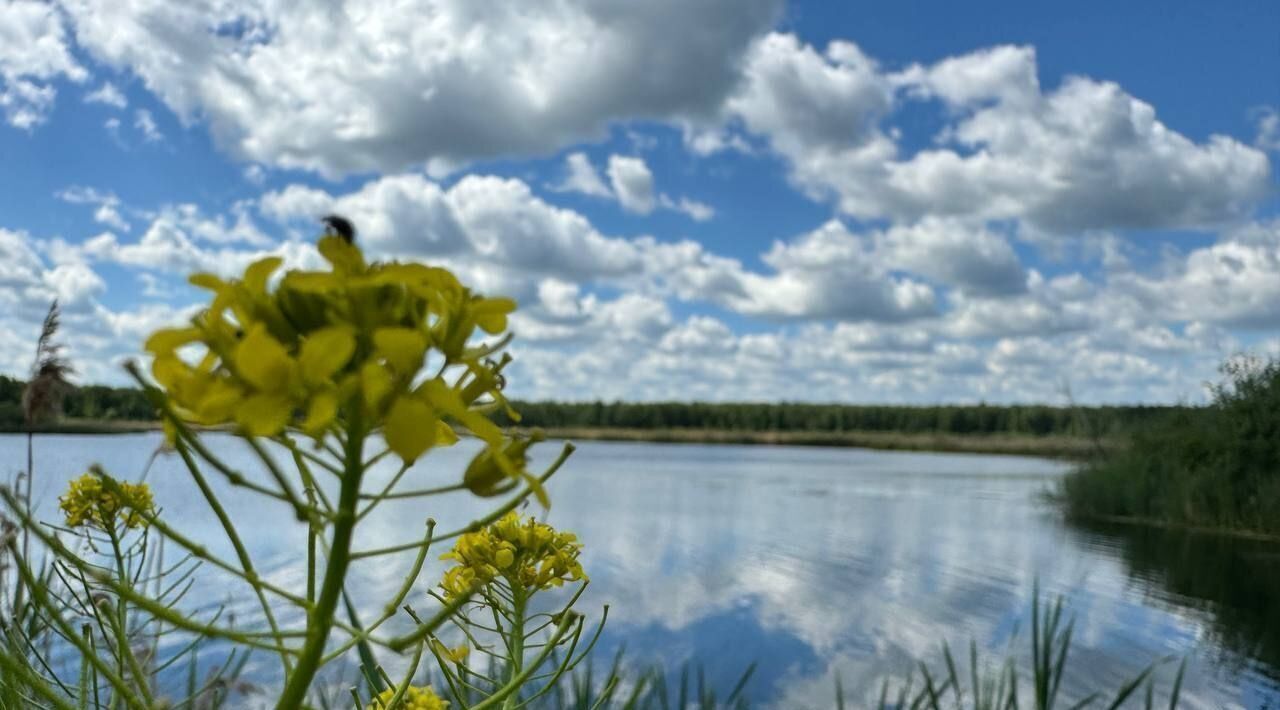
1156	523
1014	445
87	426
1060	447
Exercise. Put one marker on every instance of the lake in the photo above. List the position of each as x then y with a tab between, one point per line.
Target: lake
811	562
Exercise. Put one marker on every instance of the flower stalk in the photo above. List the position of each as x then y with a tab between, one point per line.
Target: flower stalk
341	367
319	620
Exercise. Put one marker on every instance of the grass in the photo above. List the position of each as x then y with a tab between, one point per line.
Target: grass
944	684
1007	687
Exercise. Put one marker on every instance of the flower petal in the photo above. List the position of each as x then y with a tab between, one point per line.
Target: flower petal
311	281
402	347
375	381
263	362
449	401
343	255
445	435
208	282
218	402
321	413
264	414
410	428
255	277
491	314
166	340
324	352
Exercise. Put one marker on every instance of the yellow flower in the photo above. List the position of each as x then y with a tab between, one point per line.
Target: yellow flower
457	654
520	551
491	313
309	349
410	428
90	502
414	698
402	348
487	471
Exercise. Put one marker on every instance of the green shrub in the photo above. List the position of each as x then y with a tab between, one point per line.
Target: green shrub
1217	466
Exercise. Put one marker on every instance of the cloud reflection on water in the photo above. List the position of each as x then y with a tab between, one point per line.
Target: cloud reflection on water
811	562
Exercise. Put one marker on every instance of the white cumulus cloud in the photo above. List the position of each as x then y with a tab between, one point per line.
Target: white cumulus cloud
1084	155
107	94
146	125
632	182
375	86
34	51
581	176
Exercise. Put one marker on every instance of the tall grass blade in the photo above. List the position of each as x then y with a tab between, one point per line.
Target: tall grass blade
1177	685
741	685
1130	687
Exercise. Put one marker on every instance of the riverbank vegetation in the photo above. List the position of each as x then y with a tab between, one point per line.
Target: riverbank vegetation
1214	467
86	404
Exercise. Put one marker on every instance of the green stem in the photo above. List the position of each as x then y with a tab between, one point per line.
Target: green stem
400	643
478	524
201	552
26	536
184	433
311	562
516	632
120	622
420	493
302	453
570	662
124	591
383	495
242	553
85	677
390	609
513	687
39	598
12	669
300	509
320	621
316	494
397	700
130	661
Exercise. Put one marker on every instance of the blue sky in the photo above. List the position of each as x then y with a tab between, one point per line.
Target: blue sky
724	199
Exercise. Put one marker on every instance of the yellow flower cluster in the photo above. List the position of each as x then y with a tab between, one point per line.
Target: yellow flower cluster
521	550
414	698
324	349
89	502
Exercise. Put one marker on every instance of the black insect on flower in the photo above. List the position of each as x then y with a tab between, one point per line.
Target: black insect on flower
341	226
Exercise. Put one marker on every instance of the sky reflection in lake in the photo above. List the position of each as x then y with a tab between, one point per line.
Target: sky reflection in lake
809	561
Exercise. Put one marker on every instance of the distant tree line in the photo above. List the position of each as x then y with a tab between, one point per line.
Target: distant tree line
87	402
1036	420
126	403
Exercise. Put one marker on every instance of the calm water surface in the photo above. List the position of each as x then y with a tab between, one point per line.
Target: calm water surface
812	562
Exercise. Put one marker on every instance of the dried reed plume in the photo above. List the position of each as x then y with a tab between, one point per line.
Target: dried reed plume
42	398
